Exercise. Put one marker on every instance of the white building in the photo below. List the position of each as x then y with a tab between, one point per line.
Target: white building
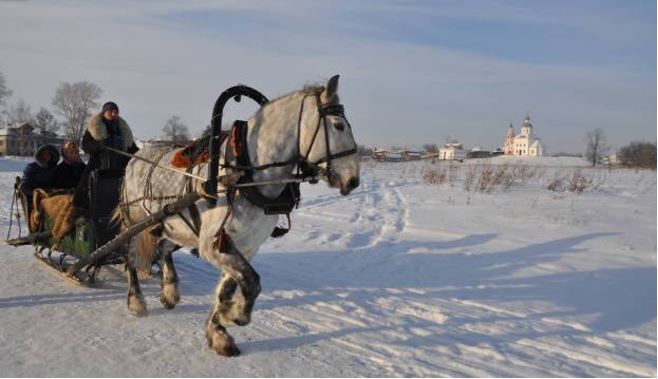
525	143
452	151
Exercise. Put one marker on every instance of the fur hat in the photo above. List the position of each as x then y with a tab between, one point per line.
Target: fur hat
110	106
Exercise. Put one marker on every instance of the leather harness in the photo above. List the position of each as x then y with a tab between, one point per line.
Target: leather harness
237	152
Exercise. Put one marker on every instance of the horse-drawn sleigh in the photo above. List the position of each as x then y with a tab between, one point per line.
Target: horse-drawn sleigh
224	203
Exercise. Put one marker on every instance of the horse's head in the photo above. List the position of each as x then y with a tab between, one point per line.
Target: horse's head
331	142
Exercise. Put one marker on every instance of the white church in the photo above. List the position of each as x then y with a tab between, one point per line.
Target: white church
525	143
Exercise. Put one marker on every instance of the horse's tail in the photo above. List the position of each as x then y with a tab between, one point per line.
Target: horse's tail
120	214
145	243
119	217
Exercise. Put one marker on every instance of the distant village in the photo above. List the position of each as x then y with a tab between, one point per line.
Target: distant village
526	143
23	139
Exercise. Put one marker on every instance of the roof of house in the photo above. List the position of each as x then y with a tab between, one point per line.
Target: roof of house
536	143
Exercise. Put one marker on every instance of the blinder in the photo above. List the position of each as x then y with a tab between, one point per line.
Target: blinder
324	111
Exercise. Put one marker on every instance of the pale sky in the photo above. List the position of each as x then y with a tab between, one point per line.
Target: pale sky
412	72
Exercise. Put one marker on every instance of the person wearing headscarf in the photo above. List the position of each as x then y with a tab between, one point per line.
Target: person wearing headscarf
69	171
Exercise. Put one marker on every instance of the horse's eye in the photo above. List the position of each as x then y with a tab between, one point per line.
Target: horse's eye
340	126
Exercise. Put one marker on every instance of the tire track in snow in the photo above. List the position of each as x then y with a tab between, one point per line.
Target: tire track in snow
384	207
375	215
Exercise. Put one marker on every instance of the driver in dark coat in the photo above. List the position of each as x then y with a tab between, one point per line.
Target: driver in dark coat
108	129
105	129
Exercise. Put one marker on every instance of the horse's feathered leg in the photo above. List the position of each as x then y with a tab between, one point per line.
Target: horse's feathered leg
136	303
235	309
227	289
216	334
219	339
169	295
229	308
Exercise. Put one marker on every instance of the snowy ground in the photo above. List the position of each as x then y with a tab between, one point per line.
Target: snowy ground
402	278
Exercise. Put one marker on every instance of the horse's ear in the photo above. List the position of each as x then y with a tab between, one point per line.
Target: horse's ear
331	89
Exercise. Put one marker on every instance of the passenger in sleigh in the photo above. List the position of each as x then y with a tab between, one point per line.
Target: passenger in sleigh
40	173
69	171
37	185
57	203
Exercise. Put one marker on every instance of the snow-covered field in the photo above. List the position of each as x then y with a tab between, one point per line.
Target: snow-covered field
401	278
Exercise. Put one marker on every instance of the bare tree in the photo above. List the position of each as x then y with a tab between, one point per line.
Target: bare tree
45	122
74	102
19	112
176	131
596	146
431	148
638	155
208	130
4	91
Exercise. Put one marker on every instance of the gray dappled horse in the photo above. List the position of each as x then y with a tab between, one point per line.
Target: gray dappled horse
293	128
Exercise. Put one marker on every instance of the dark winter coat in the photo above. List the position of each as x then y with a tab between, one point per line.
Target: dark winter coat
101	133
40	174
68	175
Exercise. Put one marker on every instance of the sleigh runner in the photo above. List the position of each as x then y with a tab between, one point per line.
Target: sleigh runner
224	200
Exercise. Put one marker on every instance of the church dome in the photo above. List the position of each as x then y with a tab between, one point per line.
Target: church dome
510	131
526	122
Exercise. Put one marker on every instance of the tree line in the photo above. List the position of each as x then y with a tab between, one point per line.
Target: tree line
75	103
637	154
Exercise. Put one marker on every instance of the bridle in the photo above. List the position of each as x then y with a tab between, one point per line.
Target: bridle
305	167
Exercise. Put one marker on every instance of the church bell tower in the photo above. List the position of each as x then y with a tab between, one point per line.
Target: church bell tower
526	129
509	141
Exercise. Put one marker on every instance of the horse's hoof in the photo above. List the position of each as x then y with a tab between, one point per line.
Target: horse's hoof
167	304
227	351
137	306
221	342
169	299
231	351
139	313
242	321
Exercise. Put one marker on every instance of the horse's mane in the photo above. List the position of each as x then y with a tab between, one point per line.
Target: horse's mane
308	89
